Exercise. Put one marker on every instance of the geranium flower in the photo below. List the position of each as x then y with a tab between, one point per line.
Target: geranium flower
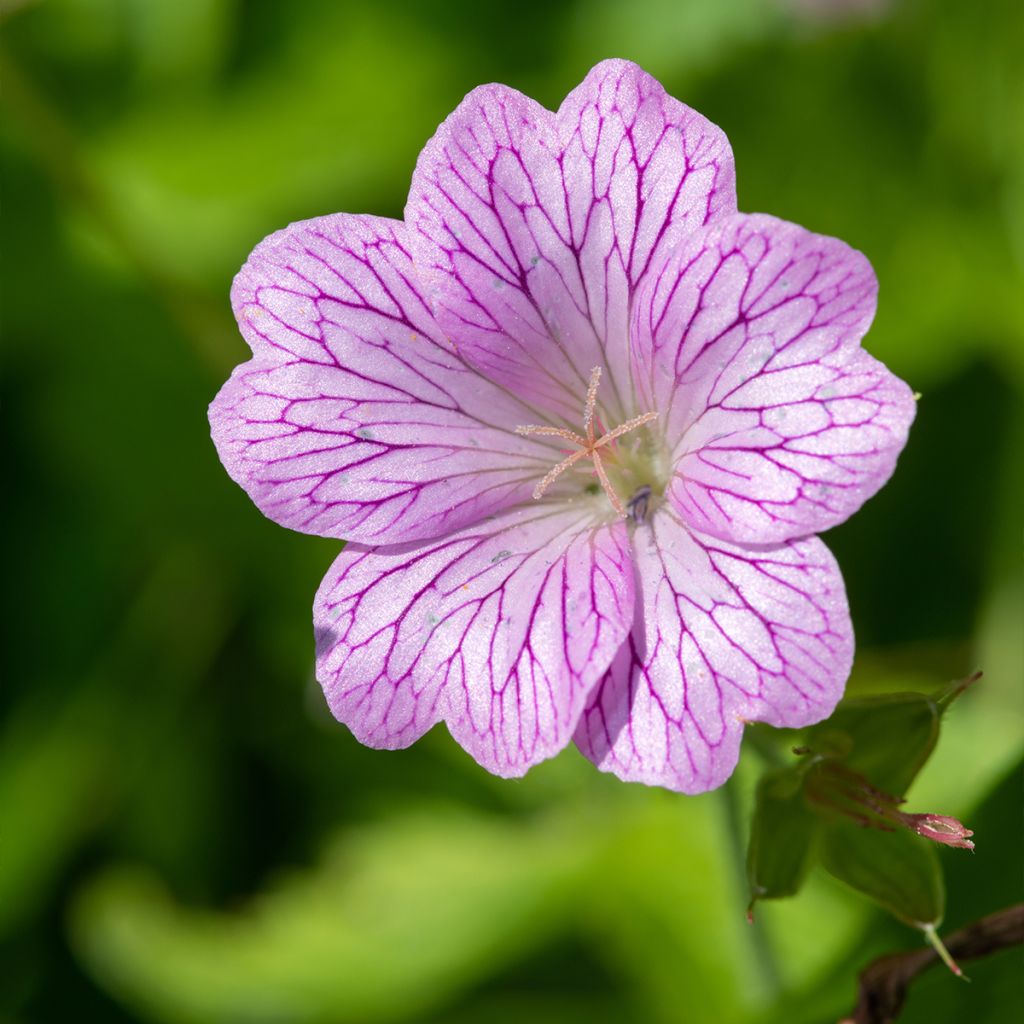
578	420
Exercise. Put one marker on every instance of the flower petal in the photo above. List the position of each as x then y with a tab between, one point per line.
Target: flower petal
533	229
723	635
748	338
500	630
354	420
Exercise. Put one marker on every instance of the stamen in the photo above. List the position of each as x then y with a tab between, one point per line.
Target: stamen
588	409
607	485
553	474
625	428
588	446
569	435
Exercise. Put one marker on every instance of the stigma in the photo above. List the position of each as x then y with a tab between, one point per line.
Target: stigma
590	446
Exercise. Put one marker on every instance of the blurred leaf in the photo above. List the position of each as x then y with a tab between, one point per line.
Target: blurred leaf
63	769
887	739
179	44
169	44
53	770
516	1005
895	869
690	35
319	128
783	837
395	919
813	937
668	901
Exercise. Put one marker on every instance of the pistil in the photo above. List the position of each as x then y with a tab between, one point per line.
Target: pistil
588	446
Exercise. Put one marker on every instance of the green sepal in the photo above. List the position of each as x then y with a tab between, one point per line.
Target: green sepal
947	696
783	836
898	870
886	739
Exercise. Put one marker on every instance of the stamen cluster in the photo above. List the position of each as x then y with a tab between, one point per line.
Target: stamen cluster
589	446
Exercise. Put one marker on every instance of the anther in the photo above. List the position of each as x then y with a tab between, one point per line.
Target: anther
636	507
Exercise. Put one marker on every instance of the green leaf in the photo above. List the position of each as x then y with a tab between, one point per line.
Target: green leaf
897	870
783	837
887	739
397	917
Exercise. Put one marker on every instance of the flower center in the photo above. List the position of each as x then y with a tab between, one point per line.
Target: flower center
598	449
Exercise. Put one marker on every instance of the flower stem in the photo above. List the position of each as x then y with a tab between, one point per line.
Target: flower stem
764	954
944	955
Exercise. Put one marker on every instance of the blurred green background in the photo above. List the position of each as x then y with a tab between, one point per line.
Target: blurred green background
185	834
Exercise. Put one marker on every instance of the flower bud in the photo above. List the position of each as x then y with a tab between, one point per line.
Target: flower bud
941	828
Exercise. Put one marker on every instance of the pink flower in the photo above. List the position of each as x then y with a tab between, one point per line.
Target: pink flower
569	288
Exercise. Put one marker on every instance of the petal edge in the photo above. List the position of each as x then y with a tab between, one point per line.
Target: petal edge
723	636
354	419
501	630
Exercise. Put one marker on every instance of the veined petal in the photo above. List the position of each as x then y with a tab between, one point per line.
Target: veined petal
723	635
533	228
748	341
354	419
501	630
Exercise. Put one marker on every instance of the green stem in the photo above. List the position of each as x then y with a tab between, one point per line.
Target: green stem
764	955
944	955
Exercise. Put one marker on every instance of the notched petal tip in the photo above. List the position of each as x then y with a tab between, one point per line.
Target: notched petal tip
724	635
353	420
513	209
499	630
783	425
